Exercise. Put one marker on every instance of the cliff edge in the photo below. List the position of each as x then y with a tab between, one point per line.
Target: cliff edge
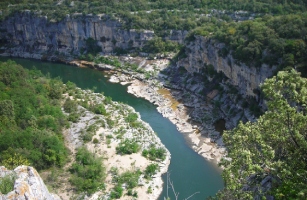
28	185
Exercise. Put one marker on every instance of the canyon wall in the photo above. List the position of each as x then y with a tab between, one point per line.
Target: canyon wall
30	35
27	34
203	51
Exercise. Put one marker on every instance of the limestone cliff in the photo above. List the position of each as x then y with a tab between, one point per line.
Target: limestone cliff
27	32
203	51
28	185
30	35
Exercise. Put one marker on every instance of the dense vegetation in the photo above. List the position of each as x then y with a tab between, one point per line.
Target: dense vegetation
88	172
31	119
152	14
129	179
272	149
279	41
154	153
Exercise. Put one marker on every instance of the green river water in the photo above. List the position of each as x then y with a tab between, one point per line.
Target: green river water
190	172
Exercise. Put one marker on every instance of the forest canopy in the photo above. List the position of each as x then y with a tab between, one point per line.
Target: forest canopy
156	15
31	118
275	41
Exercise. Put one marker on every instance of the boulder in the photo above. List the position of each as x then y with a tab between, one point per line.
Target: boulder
28	185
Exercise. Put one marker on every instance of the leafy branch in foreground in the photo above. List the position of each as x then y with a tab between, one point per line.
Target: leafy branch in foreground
269	157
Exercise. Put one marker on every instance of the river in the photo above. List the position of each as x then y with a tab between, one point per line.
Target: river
189	172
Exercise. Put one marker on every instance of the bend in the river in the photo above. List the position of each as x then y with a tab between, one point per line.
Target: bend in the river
189	172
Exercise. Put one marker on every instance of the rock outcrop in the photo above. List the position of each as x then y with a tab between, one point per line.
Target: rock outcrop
203	51
28	185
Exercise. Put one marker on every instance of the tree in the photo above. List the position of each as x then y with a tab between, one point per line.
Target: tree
11	159
269	156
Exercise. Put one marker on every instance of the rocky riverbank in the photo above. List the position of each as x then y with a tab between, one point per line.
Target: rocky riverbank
203	138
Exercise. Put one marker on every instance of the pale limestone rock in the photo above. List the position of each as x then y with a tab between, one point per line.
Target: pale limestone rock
28	34
206	51
27	186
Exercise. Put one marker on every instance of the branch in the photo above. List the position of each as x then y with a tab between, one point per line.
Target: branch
172	186
192	195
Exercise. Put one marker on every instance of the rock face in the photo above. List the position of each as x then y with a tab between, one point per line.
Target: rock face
28	32
203	51
28	185
30	35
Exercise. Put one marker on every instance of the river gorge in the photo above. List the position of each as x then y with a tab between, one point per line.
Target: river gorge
189	172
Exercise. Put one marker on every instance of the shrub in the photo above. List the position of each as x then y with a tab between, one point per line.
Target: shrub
108	100
7	183
127	147
154	153
117	192
87	137
95	141
73	117
130	178
99	109
132	117
110	122
150	170
88	172
70	106
92	128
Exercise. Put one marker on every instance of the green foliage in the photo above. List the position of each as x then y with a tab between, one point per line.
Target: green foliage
163	16
127	147
30	118
7	109
88	172
108	60
117	192
150	170
157	45
70	86
108	100
12	159
87	137
7	183
95	141
130	192
74	117
273	147
278	40
154	153
70	105
131	118
99	109
129	178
